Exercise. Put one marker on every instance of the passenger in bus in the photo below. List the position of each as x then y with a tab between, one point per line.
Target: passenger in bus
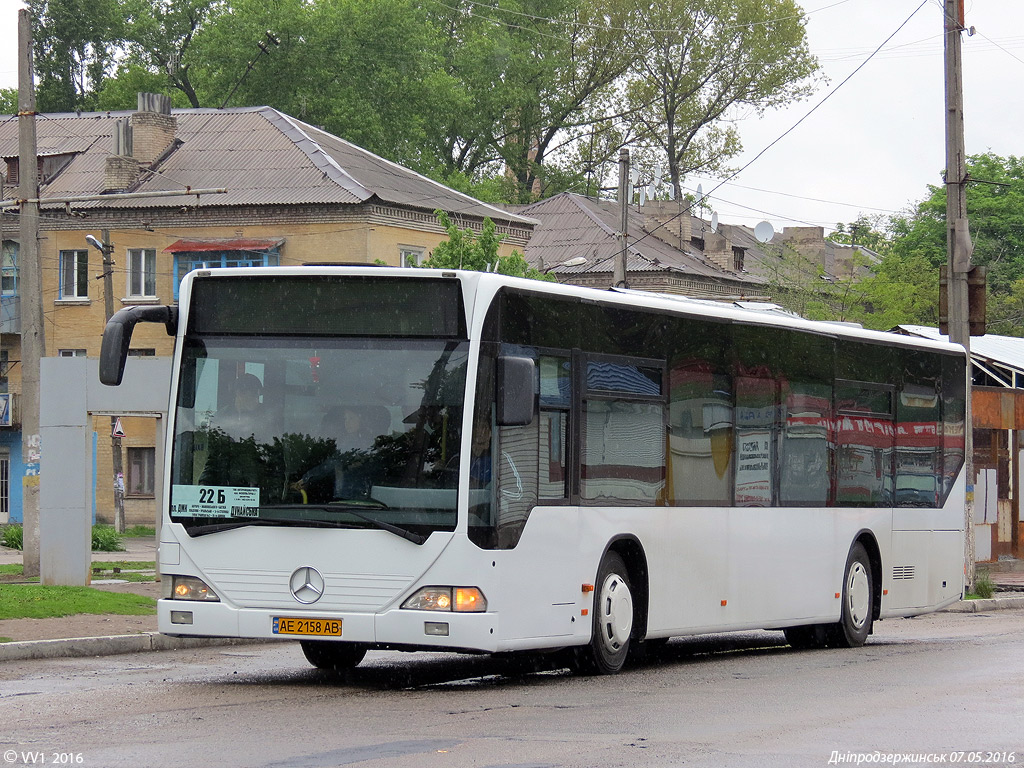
241	417
235	458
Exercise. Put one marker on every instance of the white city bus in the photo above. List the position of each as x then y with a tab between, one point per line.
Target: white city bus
377	458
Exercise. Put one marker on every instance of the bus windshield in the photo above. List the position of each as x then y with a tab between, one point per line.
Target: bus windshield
340	432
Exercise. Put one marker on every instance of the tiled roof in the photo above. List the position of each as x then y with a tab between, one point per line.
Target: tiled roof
260	155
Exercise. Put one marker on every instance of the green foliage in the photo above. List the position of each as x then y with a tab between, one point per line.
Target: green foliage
105	538
703	58
984	587
515	100
75	46
465	250
13	537
33	601
995	208
8	101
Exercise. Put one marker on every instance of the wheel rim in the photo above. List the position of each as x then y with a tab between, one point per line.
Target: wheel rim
616	612
858	595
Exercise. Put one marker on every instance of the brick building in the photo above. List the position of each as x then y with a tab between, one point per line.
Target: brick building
295	194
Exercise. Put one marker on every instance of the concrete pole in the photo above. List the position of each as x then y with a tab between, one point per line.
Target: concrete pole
958	242
619	275
33	343
115	441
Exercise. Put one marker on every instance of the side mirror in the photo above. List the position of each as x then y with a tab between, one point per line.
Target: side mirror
514	398
117	337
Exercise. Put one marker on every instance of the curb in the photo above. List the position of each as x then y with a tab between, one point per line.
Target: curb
989	604
111	646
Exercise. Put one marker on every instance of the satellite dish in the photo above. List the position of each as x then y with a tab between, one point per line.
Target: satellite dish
671	192
634	176
714	222
650	191
659	172
764	232
643	195
700	193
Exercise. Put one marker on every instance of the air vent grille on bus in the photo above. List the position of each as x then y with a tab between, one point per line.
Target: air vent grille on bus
903	572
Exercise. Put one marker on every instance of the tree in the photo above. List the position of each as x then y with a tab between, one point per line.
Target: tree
533	77
465	250
704	60
75	44
995	207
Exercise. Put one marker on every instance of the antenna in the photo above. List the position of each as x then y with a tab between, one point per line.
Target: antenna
273	40
764	232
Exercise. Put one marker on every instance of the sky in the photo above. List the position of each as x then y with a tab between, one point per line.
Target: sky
877	140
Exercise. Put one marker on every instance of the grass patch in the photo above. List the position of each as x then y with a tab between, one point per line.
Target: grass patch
12	536
11	569
984	587
105	538
140	532
5	639
32	601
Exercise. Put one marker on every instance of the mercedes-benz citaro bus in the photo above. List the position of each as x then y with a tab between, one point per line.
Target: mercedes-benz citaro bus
380	458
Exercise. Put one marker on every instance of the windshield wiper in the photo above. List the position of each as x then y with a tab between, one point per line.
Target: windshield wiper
352	509
207	528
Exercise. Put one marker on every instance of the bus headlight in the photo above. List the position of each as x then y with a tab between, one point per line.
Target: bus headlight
189	588
459	599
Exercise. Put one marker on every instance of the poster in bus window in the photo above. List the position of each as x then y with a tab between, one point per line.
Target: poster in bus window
754	468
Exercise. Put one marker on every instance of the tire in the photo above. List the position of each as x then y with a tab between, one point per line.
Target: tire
858	595
808	636
328	655
613	620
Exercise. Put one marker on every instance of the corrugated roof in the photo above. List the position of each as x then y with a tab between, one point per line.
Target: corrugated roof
261	156
1006	351
574	226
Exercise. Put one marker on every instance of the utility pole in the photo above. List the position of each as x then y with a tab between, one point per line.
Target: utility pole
106	247
958	242
619	275
33	343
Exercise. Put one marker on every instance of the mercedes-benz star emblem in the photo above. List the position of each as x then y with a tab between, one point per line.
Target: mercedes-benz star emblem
306	584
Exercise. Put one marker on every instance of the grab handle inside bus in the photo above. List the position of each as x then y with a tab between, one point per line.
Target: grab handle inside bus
117	336
515	391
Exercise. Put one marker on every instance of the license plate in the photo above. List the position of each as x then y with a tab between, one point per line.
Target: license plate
288	625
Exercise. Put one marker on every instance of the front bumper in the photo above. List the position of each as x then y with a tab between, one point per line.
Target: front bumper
395	628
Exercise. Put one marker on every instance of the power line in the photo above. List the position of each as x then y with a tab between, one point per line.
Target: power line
810	112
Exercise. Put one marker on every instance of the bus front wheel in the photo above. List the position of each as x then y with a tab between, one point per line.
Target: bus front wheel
858	601
613	619
337	657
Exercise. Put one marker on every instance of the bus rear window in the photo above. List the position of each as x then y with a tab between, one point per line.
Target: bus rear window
296	305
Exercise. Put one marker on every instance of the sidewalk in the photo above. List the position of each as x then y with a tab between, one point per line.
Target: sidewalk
94	635
101	635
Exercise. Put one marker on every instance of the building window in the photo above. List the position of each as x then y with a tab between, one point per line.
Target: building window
411	255
9	269
141	462
71	353
74	275
186	261
141	273
737	259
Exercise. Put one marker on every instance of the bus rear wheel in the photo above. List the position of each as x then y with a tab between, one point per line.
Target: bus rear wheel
853	628
613	619
328	655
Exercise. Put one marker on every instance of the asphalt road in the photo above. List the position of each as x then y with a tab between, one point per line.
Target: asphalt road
945	688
